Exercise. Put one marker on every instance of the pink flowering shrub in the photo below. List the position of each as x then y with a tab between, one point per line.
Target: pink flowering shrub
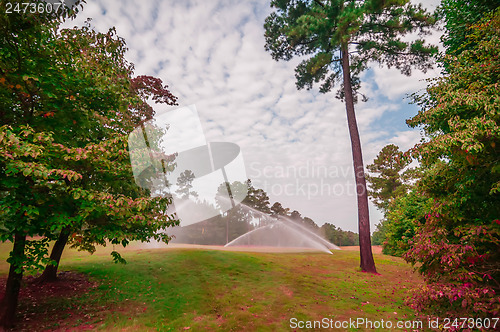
457	248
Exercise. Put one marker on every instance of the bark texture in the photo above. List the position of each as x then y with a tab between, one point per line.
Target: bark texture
8	305
367	263
50	272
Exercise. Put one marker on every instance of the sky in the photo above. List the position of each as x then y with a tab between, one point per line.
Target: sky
295	144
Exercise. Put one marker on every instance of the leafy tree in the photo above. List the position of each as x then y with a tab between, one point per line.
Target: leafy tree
338	236
278	210
110	176
261	200
99	214
74	82
459	16
239	220
20	104
457	247
404	208
310	223
379	235
342	37
257	199
235	216
224	199
185	183
388	182
306	221
406	214
296	216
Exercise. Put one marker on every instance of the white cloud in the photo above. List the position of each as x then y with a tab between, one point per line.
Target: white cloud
211	53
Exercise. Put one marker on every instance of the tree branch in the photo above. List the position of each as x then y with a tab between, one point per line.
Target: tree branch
319	3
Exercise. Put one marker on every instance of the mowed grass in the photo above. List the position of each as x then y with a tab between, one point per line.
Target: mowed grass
193	289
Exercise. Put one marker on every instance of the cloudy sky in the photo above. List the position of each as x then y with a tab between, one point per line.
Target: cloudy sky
295	144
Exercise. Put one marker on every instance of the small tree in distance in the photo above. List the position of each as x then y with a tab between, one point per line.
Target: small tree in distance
341	38
278	210
185	183
257	199
388	181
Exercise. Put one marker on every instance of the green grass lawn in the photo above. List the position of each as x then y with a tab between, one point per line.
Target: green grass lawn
193	289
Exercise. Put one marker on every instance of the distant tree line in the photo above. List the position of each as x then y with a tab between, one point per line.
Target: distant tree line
241	219
338	236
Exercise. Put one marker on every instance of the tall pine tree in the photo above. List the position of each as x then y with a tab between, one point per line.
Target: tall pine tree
340	38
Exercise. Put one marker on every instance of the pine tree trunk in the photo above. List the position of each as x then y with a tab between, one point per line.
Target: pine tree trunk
365	247
9	302
50	272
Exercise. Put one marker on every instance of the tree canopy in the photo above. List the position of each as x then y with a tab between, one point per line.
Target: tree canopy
459	17
68	99
374	29
456	248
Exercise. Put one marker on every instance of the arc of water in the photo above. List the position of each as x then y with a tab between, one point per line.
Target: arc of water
247	233
305	229
315	244
311	233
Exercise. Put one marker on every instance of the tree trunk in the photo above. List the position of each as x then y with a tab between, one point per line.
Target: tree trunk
9	302
365	247
50	272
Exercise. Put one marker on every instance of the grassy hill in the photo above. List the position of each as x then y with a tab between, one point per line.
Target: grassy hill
195	289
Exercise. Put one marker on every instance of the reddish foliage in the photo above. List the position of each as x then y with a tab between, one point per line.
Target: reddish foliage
145	87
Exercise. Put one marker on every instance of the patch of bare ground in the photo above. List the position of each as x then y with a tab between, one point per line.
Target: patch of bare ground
375	249
45	306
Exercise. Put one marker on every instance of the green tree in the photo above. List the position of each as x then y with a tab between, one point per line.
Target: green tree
261	201
296	216
387	184
310	223
338	236
388	181
103	52
185	183
224	198
459	17
342	37
20	87
379	235
329	232
110	176
278	210
237	218
405	215
257	199
78	181
457	247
